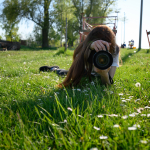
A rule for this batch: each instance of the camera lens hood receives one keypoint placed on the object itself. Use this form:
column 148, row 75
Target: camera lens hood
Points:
column 102, row 59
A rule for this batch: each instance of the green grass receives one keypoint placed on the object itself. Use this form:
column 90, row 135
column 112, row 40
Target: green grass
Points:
column 34, row 114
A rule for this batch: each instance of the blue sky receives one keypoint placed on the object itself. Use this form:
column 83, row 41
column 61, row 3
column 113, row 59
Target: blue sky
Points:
column 131, row 8
column 132, row 13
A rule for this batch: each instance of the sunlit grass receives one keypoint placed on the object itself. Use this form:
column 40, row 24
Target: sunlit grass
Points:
column 34, row 114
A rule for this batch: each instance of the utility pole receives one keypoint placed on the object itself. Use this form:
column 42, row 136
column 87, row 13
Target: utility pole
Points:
column 140, row 35
column 124, row 27
column 117, row 17
column 117, row 21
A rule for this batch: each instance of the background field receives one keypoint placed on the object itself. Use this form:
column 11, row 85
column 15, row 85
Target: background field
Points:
column 34, row 114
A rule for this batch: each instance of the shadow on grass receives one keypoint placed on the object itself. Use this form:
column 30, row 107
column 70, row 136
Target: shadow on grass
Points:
column 64, row 52
column 27, row 48
column 126, row 57
column 55, row 101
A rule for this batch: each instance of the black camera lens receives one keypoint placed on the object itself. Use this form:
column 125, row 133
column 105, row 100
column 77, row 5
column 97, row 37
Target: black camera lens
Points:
column 102, row 60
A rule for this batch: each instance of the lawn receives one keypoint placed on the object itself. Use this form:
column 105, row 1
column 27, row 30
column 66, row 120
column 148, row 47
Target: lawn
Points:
column 35, row 114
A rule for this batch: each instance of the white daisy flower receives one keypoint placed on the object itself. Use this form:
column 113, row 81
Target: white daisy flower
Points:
column 120, row 94
column 132, row 128
column 103, row 137
column 69, row 108
column 143, row 141
column 143, row 115
column 124, row 117
column 111, row 92
column 99, row 116
column 131, row 97
column 55, row 124
column 80, row 116
column 148, row 115
column 128, row 99
column 116, row 126
column 137, row 125
column 95, row 148
column 65, row 121
column 147, row 107
column 132, row 115
column 137, row 99
column 85, row 91
column 113, row 115
column 96, row 128
column 78, row 89
column 138, row 84
column 124, row 101
column 139, row 110
column 92, row 83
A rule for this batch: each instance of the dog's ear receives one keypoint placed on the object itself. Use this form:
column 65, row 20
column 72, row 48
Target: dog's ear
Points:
column 47, row 68
column 44, row 68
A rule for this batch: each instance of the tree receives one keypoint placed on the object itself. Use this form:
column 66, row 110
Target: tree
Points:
column 9, row 24
column 11, row 30
column 64, row 9
column 91, row 8
column 74, row 9
column 37, row 11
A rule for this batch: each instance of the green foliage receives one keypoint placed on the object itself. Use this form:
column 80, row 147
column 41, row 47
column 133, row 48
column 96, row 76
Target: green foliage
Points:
column 51, row 23
column 37, row 33
column 11, row 32
column 36, row 11
column 73, row 11
column 10, row 20
column 11, row 10
column 54, row 37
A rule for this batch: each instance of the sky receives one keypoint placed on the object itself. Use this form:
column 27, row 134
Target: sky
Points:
column 132, row 9
column 128, row 8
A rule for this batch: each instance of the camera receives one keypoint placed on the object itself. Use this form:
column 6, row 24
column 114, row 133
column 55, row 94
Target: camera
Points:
column 102, row 59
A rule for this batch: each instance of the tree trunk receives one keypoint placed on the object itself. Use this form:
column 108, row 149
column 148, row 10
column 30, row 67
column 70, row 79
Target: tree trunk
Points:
column 71, row 43
column 45, row 38
column 45, row 29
